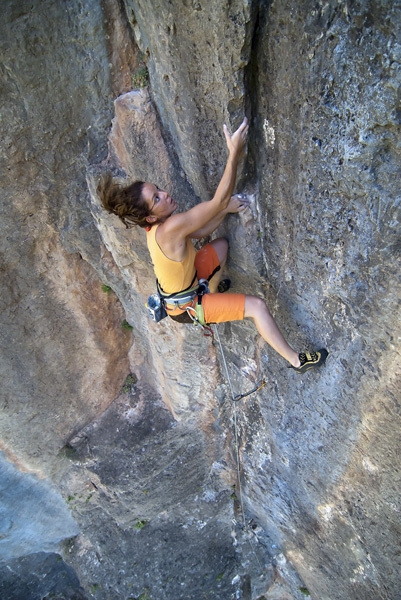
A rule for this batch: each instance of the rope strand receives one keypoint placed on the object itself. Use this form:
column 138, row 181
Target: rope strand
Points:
column 235, row 424
column 235, row 399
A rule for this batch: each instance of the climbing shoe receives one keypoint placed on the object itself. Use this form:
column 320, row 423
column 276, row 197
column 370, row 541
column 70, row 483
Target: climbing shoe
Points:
column 310, row 360
column 224, row 285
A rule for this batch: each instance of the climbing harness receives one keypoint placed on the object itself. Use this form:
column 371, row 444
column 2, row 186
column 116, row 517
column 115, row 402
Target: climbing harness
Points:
column 189, row 300
column 196, row 312
column 158, row 303
column 178, row 299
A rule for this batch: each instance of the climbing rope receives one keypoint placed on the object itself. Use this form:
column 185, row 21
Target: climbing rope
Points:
column 235, row 399
column 237, row 457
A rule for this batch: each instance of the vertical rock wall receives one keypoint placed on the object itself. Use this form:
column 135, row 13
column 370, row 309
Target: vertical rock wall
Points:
column 63, row 351
column 196, row 53
column 321, row 86
column 329, row 125
column 62, row 337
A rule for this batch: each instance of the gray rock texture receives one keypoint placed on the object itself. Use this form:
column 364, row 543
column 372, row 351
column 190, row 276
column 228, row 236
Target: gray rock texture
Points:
column 34, row 516
column 177, row 491
column 40, row 575
column 60, row 332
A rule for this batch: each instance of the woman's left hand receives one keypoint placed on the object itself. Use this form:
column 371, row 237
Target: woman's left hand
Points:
column 237, row 141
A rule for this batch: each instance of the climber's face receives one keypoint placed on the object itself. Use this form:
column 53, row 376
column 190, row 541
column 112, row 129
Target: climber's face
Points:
column 160, row 204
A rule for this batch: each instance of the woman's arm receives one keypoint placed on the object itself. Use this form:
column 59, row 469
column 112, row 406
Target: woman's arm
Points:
column 178, row 227
column 238, row 203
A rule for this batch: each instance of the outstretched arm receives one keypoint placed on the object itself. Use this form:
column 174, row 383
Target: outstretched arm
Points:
column 235, row 145
column 179, row 226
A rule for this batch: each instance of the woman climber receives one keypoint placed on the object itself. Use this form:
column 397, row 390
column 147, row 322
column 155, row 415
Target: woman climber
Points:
column 179, row 267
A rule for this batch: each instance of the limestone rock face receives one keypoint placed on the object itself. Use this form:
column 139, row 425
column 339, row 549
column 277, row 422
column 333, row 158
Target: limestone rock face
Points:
column 197, row 54
column 40, row 517
column 160, row 477
column 61, row 334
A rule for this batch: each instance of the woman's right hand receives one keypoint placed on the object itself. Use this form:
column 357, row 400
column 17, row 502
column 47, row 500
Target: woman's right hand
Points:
column 236, row 142
column 238, row 203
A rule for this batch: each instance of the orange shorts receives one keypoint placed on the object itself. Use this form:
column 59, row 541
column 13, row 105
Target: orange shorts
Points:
column 218, row 308
column 206, row 262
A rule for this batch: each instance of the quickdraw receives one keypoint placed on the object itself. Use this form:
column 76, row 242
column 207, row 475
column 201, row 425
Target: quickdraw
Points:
column 260, row 385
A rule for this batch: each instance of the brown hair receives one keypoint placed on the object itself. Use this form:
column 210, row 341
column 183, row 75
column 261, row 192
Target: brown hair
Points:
column 125, row 202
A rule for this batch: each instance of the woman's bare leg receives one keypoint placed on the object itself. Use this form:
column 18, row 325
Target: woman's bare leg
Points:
column 256, row 309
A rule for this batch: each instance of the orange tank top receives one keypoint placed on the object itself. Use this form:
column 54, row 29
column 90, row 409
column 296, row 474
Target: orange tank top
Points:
column 173, row 276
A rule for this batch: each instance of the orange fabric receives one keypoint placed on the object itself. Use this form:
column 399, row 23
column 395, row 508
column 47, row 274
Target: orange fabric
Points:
column 206, row 262
column 220, row 308
column 173, row 276
column 176, row 276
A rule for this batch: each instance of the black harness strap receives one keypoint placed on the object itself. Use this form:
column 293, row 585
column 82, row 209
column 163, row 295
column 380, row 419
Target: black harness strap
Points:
column 167, row 296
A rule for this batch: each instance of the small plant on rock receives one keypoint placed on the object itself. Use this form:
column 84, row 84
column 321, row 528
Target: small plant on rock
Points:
column 106, row 288
column 140, row 524
column 126, row 326
column 140, row 77
column 129, row 382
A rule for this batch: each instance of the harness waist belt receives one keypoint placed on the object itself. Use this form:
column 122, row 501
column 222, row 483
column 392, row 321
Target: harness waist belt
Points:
column 181, row 300
column 175, row 300
column 185, row 297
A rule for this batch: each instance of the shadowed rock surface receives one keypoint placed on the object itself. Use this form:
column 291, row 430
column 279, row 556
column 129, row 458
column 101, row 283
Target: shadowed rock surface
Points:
column 147, row 466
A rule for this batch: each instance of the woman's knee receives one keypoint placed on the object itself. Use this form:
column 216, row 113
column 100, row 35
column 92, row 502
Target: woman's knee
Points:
column 221, row 247
column 255, row 307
